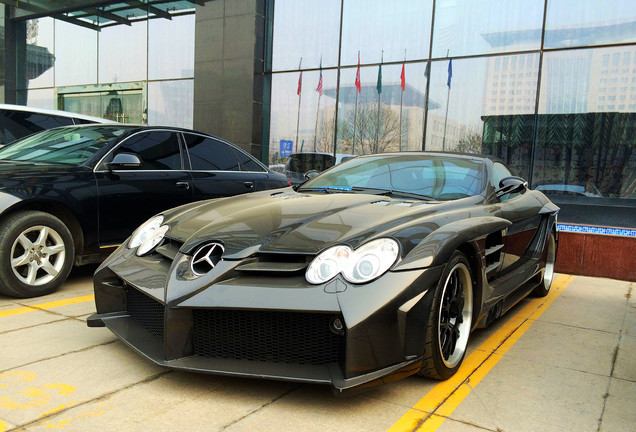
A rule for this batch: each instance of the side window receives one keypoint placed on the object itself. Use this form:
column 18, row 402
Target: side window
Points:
column 208, row 154
column 247, row 162
column 157, row 150
column 18, row 124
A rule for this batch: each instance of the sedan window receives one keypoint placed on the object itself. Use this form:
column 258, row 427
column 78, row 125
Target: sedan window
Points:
column 208, row 154
column 158, row 150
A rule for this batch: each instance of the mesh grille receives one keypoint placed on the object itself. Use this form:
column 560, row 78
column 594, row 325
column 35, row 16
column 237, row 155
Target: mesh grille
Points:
column 273, row 337
column 147, row 311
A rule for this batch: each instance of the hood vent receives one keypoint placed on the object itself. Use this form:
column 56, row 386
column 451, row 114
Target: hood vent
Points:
column 284, row 195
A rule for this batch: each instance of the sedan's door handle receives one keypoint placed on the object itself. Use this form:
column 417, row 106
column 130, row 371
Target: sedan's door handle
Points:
column 183, row 185
column 249, row 184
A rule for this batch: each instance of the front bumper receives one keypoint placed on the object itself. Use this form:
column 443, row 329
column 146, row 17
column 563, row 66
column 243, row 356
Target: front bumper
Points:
column 267, row 326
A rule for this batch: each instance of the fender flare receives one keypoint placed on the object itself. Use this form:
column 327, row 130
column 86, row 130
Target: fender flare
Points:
column 439, row 245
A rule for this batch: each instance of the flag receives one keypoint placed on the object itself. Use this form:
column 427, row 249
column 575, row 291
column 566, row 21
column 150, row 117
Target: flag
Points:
column 379, row 85
column 427, row 71
column 300, row 83
column 450, row 73
column 403, row 78
column 358, row 83
column 319, row 88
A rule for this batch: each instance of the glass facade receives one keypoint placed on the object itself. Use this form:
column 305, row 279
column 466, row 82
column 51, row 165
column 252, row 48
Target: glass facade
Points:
column 549, row 87
column 141, row 73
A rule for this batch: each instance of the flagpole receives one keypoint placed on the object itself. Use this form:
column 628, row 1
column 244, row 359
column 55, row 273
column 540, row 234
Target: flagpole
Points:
column 319, row 90
column 316, row 129
column 299, row 98
column 448, row 83
column 445, row 120
column 403, row 80
column 355, row 114
column 379, row 87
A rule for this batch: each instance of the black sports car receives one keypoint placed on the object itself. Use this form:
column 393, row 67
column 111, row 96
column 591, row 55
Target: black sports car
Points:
column 71, row 195
column 376, row 269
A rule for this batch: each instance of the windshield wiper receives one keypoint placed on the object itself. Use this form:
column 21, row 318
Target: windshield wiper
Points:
column 392, row 193
column 326, row 189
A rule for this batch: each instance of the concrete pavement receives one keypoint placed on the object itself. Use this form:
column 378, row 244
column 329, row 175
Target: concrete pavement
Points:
column 568, row 365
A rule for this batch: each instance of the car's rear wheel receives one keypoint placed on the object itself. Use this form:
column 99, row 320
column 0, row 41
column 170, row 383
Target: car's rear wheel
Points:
column 450, row 320
column 36, row 254
column 546, row 275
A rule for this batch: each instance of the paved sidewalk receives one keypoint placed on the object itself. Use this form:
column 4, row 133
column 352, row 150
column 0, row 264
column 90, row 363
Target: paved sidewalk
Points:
column 573, row 370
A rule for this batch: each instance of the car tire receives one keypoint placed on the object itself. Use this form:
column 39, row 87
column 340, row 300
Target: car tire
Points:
column 546, row 275
column 450, row 320
column 36, row 254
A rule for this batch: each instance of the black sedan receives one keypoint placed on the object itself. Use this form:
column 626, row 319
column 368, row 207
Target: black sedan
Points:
column 376, row 269
column 71, row 195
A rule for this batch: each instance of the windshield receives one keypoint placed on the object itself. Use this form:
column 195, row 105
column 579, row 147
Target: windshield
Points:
column 68, row 145
column 438, row 177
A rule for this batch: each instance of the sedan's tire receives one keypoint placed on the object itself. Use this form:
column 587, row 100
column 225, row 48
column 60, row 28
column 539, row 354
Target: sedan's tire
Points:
column 36, row 254
column 450, row 320
column 546, row 275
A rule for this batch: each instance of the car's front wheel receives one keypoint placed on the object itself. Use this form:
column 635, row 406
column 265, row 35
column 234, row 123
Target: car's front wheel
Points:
column 36, row 254
column 450, row 320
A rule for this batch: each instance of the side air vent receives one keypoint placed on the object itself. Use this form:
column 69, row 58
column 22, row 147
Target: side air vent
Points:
column 494, row 246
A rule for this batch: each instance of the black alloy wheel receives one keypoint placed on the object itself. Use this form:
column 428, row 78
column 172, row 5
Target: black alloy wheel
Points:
column 450, row 321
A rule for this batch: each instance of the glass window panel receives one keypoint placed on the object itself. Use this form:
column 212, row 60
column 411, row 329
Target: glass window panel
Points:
column 170, row 103
column 361, row 113
column 207, row 154
column 585, row 149
column 171, row 48
column 157, row 150
column 467, row 27
column 589, row 22
column 397, row 26
column 75, row 55
column 310, row 125
column 466, row 118
column 40, row 54
column 123, row 53
column 307, row 30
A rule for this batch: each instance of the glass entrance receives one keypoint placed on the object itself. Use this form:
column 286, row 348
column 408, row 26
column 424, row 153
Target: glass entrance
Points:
column 121, row 103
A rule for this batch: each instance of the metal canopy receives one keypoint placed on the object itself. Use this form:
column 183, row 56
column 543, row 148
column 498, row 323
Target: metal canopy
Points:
column 100, row 14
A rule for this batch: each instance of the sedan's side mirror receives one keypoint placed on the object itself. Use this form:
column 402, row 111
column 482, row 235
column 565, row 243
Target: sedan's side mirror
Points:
column 125, row 161
column 510, row 185
column 311, row 174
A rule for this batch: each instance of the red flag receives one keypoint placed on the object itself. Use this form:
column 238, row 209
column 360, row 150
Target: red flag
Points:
column 403, row 77
column 319, row 88
column 358, row 84
column 300, row 83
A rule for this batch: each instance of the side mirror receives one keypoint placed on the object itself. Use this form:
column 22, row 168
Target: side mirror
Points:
column 311, row 174
column 510, row 185
column 125, row 161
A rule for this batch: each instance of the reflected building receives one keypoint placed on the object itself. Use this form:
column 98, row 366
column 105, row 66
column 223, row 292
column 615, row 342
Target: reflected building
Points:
column 549, row 91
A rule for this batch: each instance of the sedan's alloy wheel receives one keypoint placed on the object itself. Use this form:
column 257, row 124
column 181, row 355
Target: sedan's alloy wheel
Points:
column 37, row 255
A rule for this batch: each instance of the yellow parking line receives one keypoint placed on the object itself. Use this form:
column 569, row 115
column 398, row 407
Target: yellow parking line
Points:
column 430, row 412
column 43, row 306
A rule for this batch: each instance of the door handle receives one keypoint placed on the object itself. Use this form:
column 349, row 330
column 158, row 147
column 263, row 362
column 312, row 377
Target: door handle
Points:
column 249, row 184
column 183, row 185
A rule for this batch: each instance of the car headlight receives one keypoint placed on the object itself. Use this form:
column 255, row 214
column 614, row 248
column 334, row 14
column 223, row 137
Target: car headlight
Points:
column 148, row 235
column 362, row 265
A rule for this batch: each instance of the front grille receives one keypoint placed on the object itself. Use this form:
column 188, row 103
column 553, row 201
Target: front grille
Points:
column 273, row 337
column 146, row 311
